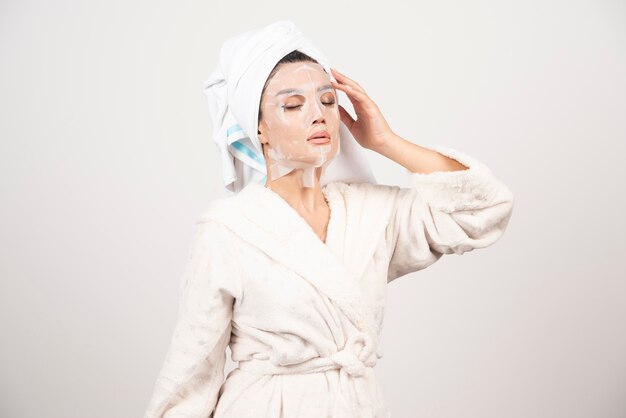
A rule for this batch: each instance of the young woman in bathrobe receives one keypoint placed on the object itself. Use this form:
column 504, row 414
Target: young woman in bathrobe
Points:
column 294, row 278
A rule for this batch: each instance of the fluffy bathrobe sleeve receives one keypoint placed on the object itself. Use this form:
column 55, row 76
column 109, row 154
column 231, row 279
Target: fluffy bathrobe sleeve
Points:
column 445, row 212
column 189, row 381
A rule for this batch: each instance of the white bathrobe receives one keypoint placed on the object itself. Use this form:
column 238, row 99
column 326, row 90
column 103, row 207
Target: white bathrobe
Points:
column 303, row 317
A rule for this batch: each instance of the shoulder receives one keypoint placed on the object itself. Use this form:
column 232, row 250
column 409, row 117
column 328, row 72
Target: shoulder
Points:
column 208, row 223
column 217, row 206
column 364, row 200
column 362, row 192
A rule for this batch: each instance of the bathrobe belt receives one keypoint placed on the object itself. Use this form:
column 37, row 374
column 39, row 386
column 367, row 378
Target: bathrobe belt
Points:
column 352, row 360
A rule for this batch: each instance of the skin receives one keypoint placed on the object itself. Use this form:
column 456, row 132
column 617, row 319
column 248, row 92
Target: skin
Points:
column 283, row 133
column 288, row 118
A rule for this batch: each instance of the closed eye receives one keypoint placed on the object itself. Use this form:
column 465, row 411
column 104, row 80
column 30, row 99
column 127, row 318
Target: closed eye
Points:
column 297, row 106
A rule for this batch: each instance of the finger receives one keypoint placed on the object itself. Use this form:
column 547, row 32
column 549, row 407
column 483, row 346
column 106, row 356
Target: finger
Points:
column 353, row 95
column 343, row 79
column 351, row 87
column 361, row 101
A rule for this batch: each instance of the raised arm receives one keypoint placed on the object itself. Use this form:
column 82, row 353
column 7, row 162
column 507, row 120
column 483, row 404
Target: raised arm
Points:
column 445, row 212
column 454, row 203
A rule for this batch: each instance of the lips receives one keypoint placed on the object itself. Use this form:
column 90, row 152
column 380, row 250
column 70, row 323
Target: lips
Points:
column 320, row 134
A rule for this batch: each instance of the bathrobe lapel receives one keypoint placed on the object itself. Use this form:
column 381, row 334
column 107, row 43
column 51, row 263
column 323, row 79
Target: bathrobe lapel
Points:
column 264, row 219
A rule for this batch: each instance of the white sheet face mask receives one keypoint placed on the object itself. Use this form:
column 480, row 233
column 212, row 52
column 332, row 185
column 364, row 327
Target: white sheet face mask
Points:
column 299, row 101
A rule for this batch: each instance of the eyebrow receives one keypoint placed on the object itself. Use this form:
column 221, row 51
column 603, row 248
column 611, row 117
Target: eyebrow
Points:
column 289, row 91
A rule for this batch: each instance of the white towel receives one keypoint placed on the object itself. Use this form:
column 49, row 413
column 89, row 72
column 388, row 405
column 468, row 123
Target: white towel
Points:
column 233, row 91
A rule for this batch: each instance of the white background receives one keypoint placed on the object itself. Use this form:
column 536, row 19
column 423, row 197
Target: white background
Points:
column 107, row 159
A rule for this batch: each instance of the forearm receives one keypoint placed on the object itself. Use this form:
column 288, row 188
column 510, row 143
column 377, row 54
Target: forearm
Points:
column 415, row 158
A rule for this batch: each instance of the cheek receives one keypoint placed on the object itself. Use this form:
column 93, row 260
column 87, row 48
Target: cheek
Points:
column 334, row 111
column 296, row 130
column 284, row 126
column 333, row 118
column 292, row 120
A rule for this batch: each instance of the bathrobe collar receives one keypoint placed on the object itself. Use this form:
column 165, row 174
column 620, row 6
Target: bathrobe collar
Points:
column 264, row 219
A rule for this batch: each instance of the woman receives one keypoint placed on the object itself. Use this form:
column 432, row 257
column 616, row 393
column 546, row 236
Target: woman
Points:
column 291, row 271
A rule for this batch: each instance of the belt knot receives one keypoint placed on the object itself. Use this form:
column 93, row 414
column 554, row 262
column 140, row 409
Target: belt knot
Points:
column 355, row 360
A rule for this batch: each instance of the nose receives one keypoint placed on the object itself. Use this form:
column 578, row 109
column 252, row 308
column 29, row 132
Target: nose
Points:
column 317, row 113
column 319, row 120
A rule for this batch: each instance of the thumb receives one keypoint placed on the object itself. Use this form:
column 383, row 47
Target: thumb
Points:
column 345, row 117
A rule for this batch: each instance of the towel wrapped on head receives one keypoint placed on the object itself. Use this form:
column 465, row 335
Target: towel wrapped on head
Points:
column 233, row 91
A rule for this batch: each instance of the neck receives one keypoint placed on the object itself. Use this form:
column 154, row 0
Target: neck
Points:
column 291, row 188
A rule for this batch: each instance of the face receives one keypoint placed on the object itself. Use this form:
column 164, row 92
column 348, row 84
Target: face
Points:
column 298, row 102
